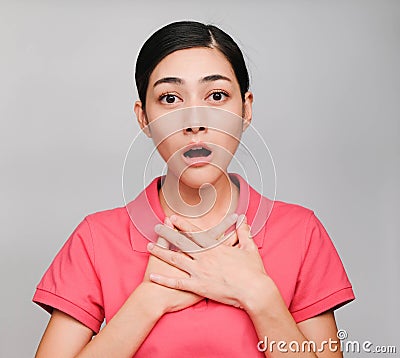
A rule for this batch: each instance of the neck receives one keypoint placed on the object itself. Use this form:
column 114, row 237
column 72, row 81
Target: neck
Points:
column 205, row 206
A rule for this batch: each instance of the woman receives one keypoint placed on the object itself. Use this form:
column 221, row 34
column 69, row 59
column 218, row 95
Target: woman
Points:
column 198, row 292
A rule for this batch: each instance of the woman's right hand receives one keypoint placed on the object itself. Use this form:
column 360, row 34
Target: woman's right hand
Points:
column 171, row 300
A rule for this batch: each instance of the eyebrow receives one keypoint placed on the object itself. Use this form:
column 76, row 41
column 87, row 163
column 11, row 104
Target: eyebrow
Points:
column 179, row 81
column 174, row 80
column 212, row 78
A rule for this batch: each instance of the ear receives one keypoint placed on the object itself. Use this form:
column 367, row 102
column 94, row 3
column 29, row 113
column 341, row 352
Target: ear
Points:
column 247, row 109
column 142, row 118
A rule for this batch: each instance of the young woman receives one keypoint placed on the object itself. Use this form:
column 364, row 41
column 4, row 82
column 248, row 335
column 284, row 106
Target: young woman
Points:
column 160, row 270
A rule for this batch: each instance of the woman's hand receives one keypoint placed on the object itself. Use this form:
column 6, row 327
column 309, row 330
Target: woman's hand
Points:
column 170, row 299
column 228, row 274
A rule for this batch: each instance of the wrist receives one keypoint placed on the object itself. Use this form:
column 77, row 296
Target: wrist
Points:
column 149, row 300
column 263, row 294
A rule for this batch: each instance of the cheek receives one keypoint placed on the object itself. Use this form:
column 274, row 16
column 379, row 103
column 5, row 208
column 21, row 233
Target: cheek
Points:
column 228, row 132
column 163, row 151
column 236, row 107
column 233, row 144
column 168, row 147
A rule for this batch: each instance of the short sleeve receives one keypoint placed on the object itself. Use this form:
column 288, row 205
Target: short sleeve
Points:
column 71, row 284
column 322, row 283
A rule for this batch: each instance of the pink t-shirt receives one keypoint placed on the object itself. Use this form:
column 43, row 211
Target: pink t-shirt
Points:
column 104, row 260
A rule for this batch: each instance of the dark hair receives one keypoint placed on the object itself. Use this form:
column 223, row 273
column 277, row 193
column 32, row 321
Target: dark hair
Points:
column 183, row 35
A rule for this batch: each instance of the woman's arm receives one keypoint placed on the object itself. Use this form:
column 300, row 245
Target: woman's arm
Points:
column 279, row 334
column 65, row 337
column 69, row 343
column 121, row 337
column 323, row 328
column 126, row 331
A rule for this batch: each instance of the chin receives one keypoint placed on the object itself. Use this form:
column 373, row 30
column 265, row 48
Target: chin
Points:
column 195, row 177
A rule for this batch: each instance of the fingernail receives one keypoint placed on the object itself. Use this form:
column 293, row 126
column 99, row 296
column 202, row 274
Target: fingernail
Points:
column 234, row 216
column 167, row 221
column 240, row 219
column 157, row 228
column 150, row 246
column 154, row 277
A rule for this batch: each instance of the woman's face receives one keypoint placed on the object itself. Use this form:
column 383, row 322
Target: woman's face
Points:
column 193, row 101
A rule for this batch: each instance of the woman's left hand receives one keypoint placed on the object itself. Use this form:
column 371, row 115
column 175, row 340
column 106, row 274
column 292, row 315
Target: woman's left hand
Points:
column 228, row 274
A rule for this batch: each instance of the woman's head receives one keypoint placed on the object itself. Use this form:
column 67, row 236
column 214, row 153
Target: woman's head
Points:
column 184, row 35
column 185, row 66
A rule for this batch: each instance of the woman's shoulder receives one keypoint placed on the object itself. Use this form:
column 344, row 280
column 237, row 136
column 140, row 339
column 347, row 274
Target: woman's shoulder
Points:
column 264, row 210
column 114, row 219
column 291, row 208
column 296, row 223
column 286, row 211
column 108, row 214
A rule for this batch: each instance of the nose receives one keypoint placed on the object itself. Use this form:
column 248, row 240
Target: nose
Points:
column 194, row 129
column 195, row 120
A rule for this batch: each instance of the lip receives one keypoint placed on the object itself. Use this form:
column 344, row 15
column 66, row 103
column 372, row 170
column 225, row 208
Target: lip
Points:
column 197, row 161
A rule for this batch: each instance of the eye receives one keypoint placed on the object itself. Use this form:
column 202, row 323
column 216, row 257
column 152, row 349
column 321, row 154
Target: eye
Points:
column 218, row 96
column 168, row 98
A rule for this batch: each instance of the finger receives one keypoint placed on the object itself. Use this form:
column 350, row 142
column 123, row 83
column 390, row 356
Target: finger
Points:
column 231, row 239
column 161, row 241
column 191, row 231
column 218, row 230
column 183, row 224
column 176, row 238
column 167, row 221
column 243, row 232
column 177, row 259
column 184, row 284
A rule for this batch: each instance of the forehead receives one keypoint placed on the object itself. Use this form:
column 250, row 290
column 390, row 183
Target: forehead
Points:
column 193, row 63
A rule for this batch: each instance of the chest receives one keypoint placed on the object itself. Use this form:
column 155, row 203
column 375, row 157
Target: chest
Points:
column 206, row 329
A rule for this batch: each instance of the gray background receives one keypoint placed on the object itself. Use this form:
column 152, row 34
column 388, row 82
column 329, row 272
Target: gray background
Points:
column 325, row 75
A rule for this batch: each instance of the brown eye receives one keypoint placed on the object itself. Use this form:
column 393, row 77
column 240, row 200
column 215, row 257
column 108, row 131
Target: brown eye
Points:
column 217, row 96
column 169, row 98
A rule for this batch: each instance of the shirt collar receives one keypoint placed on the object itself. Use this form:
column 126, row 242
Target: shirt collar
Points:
column 145, row 212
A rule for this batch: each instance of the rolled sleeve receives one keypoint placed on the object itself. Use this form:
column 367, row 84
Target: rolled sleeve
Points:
column 322, row 283
column 71, row 284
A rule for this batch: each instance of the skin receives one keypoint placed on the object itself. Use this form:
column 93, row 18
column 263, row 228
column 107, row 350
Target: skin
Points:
column 232, row 273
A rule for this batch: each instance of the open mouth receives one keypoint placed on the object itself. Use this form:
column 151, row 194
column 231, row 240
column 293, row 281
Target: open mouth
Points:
column 197, row 152
column 197, row 155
